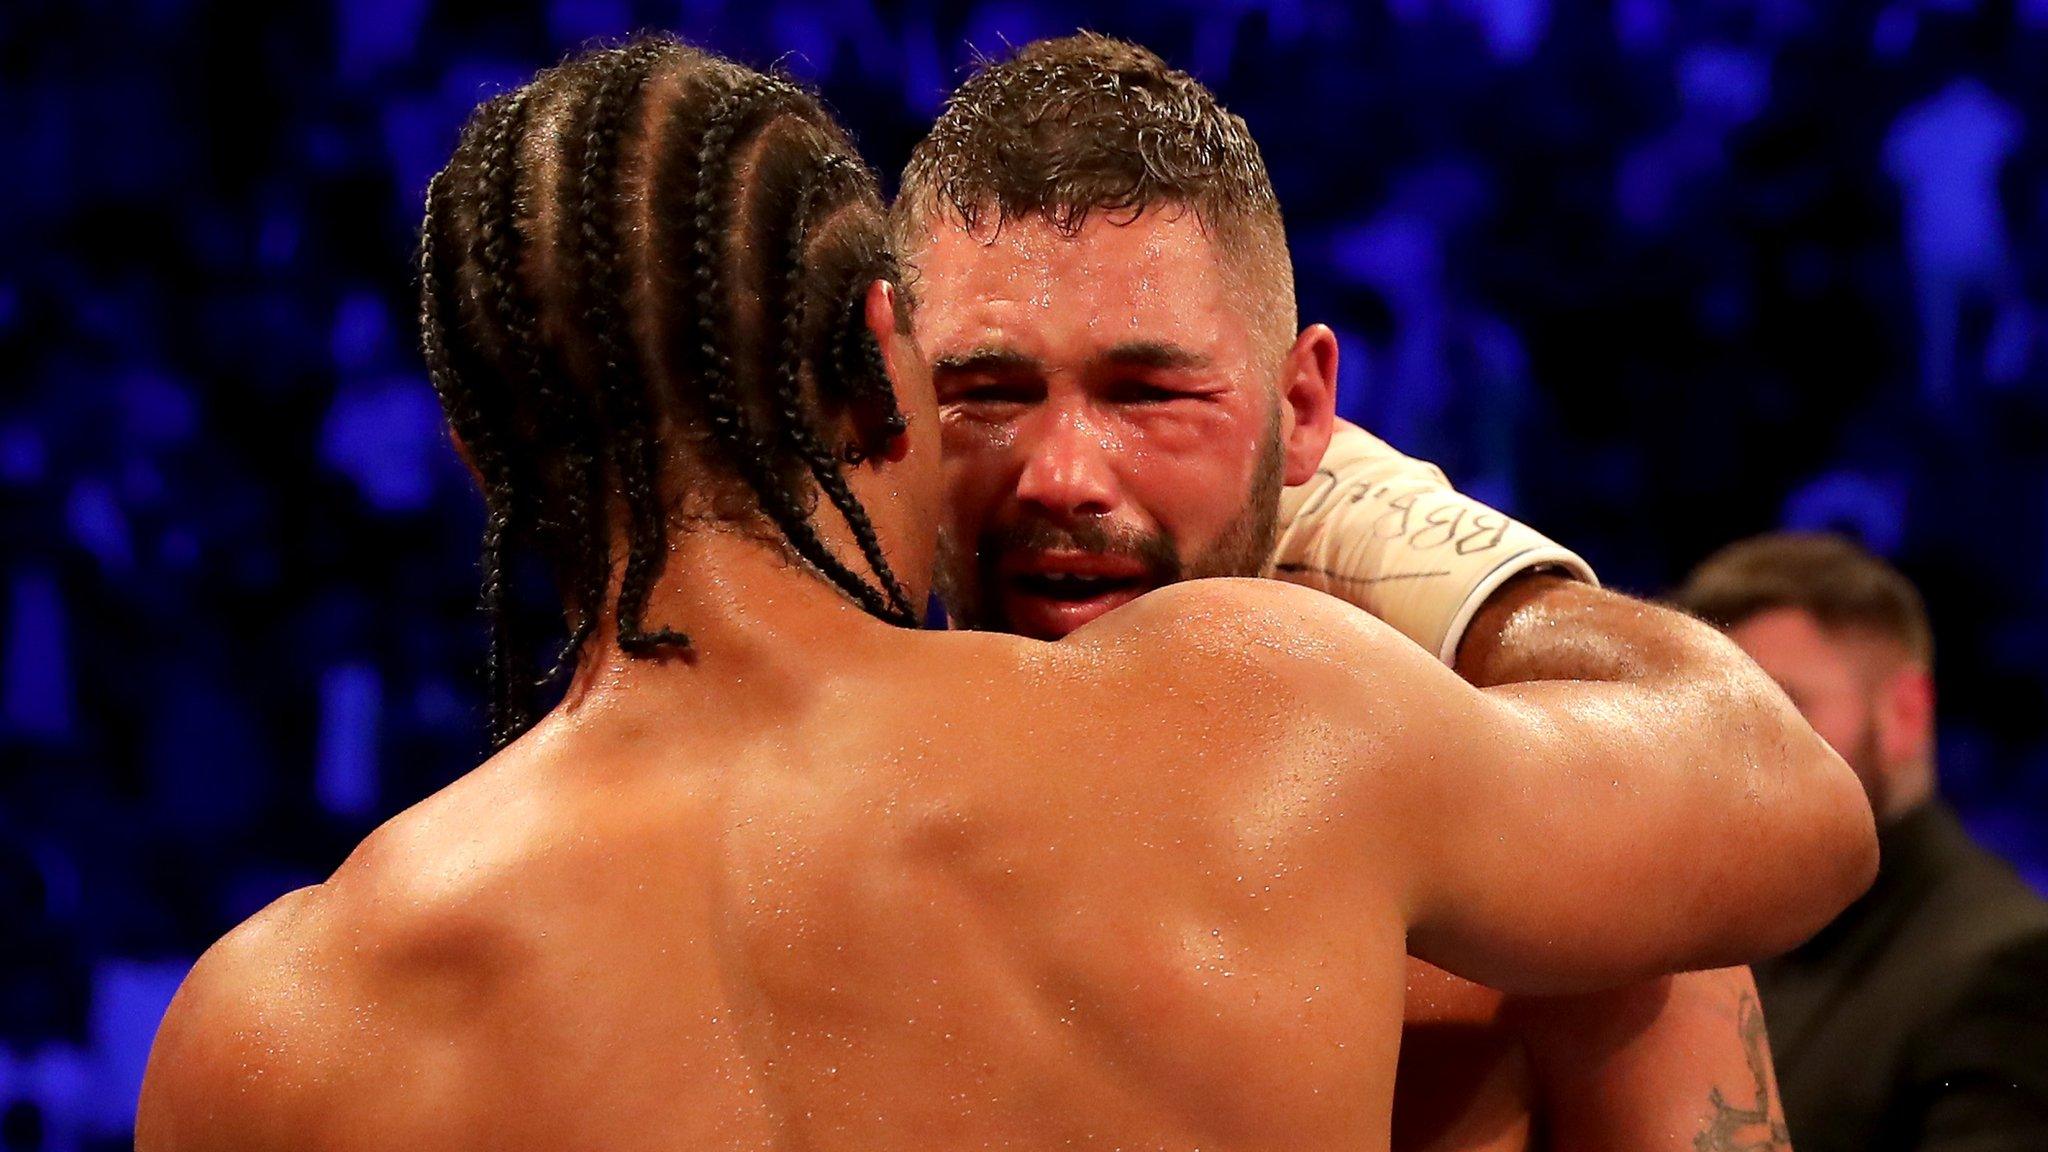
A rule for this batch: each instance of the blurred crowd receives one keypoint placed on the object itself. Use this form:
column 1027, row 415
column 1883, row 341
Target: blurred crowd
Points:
column 1653, row 275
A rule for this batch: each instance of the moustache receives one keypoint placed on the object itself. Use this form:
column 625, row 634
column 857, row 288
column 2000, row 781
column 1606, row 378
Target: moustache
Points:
column 1153, row 551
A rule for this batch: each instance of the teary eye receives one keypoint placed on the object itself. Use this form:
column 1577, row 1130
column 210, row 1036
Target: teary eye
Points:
column 1145, row 392
column 990, row 392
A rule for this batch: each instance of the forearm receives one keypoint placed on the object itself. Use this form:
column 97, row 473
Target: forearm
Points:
column 1544, row 627
column 1681, row 1064
column 1653, row 739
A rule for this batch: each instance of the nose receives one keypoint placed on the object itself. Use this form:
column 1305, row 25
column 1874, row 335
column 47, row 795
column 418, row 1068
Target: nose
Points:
column 1067, row 467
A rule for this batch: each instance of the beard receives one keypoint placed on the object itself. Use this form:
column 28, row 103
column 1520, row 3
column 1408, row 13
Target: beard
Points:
column 969, row 579
column 1867, row 760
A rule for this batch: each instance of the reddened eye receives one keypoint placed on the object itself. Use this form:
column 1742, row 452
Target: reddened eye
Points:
column 988, row 400
column 989, row 394
column 1145, row 392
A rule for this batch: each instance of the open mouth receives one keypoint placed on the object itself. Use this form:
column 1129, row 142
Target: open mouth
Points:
column 1048, row 596
column 1072, row 586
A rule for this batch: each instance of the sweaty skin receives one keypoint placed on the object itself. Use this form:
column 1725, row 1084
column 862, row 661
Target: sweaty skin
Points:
column 1679, row 1063
column 828, row 883
column 1050, row 420
column 837, row 885
column 1650, row 1066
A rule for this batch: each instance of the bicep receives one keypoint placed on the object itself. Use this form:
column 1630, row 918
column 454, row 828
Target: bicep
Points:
column 1531, row 834
column 1595, row 834
column 1546, row 851
column 1540, row 837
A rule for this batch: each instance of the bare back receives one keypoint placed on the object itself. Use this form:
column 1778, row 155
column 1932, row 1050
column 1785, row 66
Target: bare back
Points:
column 844, row 886
column 948, row 891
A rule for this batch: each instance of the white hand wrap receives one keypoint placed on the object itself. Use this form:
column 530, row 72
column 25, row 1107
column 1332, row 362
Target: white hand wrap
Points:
column 1388, row 533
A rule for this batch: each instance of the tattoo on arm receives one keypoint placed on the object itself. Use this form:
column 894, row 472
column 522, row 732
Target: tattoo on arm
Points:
column 1761, row 1128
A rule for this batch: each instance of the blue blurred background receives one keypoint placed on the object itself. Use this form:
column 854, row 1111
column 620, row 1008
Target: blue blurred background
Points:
column 1655, row 275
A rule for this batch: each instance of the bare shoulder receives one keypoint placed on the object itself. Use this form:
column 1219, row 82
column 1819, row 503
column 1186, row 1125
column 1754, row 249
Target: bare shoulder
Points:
column 1266, row 635
column 325, row 999
column 211, row 1067
column 1239, row 614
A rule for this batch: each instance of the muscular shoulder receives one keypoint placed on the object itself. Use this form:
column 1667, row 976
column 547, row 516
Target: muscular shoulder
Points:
column 334, row 995
column 217, row 1077
column 1241, row 620
column 1253, row 678
column 1265, row 636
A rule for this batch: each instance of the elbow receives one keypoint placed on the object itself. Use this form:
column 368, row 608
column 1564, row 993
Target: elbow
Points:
column 1855, row 849
column 1835, row 859
column 1848, row 849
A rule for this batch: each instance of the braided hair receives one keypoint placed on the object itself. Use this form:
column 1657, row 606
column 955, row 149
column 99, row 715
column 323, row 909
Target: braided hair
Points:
column 649, row 245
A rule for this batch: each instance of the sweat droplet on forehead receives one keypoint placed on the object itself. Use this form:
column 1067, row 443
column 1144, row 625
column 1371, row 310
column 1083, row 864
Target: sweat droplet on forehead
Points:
column 1063, row 298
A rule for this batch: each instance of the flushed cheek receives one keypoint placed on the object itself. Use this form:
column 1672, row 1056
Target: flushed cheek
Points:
column 1194, row 505
column 973, row 486
column 1207, row 444
column 1193, row 487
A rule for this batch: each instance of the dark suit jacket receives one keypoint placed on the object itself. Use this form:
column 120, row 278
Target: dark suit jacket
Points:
column 1918, row 1020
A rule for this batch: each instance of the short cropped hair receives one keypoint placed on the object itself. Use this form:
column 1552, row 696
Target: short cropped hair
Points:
column 1837, row 581
column 1084, row 125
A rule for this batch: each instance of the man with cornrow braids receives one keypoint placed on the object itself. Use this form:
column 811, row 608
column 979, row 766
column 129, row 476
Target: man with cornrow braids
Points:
column 781, row 870
column 1108, row 302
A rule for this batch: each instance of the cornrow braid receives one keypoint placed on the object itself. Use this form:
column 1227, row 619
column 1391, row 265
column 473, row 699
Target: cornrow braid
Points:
column 624, row 383
column 830, row 175
column 496, row 249
column 747, row 105
column 450, row 368
column 584, row 358
column 587, row 572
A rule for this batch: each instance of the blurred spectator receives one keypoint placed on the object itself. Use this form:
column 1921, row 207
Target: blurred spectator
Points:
column 1918, row 1020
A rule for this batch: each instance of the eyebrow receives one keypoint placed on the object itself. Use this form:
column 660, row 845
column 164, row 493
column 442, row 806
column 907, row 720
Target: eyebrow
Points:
column 987, row 359
column 1157, row 355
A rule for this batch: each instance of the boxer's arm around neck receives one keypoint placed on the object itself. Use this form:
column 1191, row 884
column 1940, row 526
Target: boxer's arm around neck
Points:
column 1659, row 733
column 1545, row 627
column 1488, row 656
column 1667, row 811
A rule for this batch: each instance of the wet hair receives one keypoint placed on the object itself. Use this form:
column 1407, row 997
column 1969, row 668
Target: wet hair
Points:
column 643, row 279
column 1837, row 581
column 1083, row 125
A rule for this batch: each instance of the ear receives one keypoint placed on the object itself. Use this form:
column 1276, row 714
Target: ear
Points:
column 1905, row 703
column 900, row 360
column 1308, row 400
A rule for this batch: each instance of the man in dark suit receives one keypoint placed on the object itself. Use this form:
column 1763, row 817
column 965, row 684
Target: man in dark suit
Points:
column 1918, row 1020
